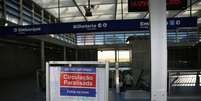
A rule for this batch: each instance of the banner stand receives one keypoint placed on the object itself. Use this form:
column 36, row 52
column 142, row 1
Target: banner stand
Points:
column 66, row 82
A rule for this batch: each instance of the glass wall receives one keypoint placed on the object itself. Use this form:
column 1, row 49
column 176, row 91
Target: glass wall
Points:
column 109, row 38
column 123, row 57
column 128, row 76
column 106, row 38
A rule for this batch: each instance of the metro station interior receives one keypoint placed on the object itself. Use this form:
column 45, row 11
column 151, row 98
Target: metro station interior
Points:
column 23, row 57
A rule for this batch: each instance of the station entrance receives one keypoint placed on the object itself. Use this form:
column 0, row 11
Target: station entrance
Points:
column 129, row 52
column 126, row 65
column 151, row 58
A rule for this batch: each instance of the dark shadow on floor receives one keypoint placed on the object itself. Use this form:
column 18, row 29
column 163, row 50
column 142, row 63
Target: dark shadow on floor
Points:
column 21, row 89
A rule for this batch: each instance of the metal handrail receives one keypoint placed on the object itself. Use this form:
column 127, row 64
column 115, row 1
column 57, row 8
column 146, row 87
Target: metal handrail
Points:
column 195, row 70
column 178, row 72
column 120, row 38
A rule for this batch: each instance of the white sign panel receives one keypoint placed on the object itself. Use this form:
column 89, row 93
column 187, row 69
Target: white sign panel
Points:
column 77, row 84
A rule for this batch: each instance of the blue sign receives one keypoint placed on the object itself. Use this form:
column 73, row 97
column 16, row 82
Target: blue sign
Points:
column 86, row 92
column 78, row 69
column 95, row 26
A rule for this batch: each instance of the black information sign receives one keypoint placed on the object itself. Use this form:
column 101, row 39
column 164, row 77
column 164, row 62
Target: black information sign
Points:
column 142, row 5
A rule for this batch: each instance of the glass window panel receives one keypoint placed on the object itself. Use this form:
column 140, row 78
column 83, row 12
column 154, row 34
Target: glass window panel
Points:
column 12, row 4
column 124, row 56
column 119, row 38
column 12, row 11
column 106, row 56
column 89, row 39
column 99, row 39
column 109, row 38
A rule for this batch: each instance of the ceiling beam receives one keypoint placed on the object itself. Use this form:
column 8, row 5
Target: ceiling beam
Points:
column 122, row 10
column 80, row 10
column 145, row 15
column 80, row 16
column 186, row 8
column 59, row 11
column 115, row 12
column 81, row 5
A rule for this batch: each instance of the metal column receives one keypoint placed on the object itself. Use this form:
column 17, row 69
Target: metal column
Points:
column 59, row 11
column 33, row 12
column 117, row 73
column 4, row 10
column 50, row 19
column 21, row 12
column 42, row 15
column 43, row 55
column 76, row 54
column 199, row 56
column 158, row 28
column 64, row 53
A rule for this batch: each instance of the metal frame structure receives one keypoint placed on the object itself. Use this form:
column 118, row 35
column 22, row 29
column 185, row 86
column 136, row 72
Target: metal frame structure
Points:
column 70, row 63
column 198, row 71
column 119, row 8
column 174, row 37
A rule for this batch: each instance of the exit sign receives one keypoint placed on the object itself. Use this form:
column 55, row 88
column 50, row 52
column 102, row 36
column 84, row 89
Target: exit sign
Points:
column 143, row 5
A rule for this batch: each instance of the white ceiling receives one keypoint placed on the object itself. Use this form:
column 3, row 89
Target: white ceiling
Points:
column 104, row 10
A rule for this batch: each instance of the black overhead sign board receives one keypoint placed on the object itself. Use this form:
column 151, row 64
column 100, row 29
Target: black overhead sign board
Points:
column 142, row 5
column 95, row 26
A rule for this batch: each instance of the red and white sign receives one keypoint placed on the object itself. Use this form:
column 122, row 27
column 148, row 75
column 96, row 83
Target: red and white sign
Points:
column 78, row 79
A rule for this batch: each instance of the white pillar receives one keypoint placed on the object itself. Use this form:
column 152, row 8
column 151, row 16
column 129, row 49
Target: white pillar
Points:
column 158, row 28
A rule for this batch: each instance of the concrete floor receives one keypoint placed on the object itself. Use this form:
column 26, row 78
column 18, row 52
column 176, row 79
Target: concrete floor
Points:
column 20, row 89
column 25, row 89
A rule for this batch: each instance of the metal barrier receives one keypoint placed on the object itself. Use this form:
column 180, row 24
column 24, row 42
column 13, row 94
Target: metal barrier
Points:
column 183, row 78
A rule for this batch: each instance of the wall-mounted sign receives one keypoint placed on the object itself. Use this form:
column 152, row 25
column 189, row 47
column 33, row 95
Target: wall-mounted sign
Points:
column 143, row 5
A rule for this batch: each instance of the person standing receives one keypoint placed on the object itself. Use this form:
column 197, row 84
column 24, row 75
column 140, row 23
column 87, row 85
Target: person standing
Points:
column 128, row 80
